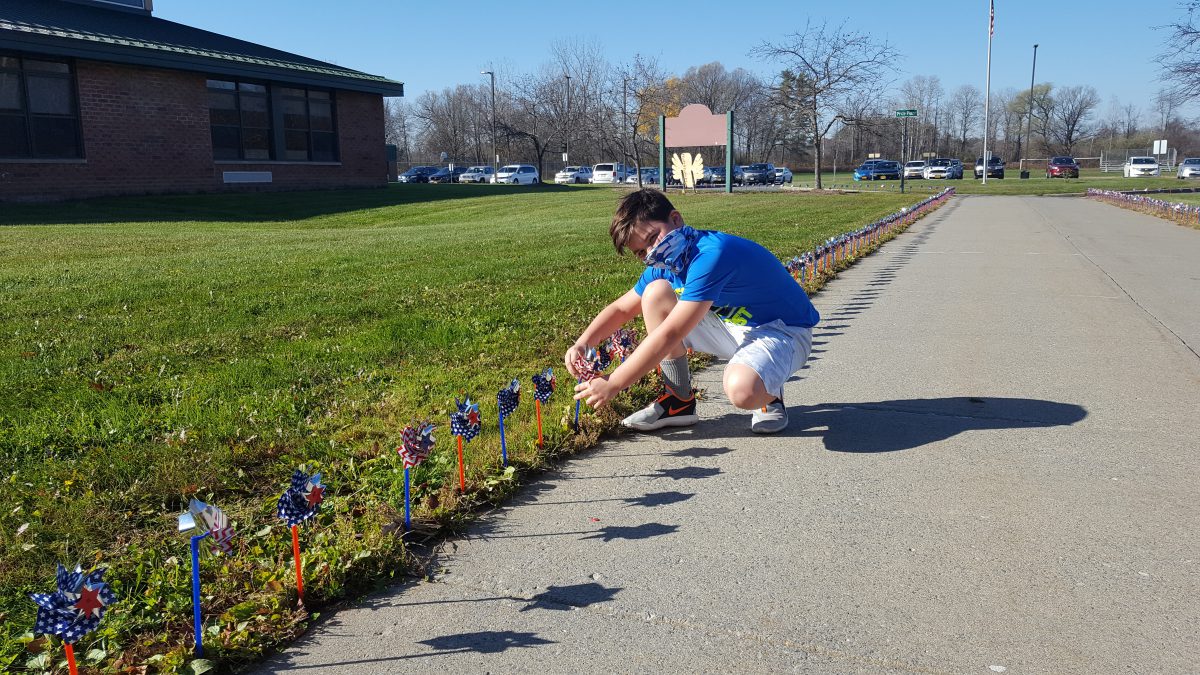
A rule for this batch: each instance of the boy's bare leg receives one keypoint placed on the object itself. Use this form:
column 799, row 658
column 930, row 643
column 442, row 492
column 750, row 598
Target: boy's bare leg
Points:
column 658, row 299
column 745, row 388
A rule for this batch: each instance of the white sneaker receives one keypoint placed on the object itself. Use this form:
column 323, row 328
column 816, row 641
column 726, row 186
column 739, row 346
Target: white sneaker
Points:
column 769, row 419
column 667, row 411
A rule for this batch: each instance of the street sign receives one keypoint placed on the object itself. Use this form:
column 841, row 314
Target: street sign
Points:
column 908, row 112
column 565, row 157
column 873, row 155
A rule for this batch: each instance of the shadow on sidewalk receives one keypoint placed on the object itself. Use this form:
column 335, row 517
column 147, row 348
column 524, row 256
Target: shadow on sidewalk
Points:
column 888, row 426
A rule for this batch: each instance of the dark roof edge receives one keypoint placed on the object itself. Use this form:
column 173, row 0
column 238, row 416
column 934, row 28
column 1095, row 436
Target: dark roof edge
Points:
column 52, row 46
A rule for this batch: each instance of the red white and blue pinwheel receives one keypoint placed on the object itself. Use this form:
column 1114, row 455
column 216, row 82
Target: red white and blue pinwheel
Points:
column 201, row 518
column 416, row 442
column 623, row 342
column 592, row 365
column 76, row 607
column 509, row 397
column 302, row 500
column 543, row 385
column 465, row 422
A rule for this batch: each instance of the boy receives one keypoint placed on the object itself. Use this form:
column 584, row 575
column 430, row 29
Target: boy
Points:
column 712, row 292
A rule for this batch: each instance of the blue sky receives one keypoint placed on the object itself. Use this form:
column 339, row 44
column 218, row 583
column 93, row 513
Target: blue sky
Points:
column 1109, row 44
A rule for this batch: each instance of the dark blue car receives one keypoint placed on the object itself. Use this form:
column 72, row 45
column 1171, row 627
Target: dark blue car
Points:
column 878, row 169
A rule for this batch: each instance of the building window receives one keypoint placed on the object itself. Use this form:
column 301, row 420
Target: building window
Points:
column 260, row 122
column 39, row 116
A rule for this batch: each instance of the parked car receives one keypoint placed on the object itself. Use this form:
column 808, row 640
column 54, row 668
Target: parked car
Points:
column 713, row 174
column 759, row 174
column 881, row 169
column 1189, row 168
column 914, row 169
column 477, row 174
column 517, row 174
column 1062, row 167
column 417, row 174
column 783, row 175
column 1140, row 166
column 995, row 167
column 574, row 174
column 944, row 167
column 609, row 172
column 649, row 175
column 446, row 175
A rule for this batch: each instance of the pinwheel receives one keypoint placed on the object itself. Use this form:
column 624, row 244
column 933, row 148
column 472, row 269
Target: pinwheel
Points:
column 589, row 367
column 74, row 609
column 199, row 521
column 623, row 342
column 465, row 425
column 297, row 504
column 543, row 387
column 507, row 400
column 416, row 442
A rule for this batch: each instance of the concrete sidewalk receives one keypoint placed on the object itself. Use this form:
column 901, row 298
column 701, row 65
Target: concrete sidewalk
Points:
column 991, row 466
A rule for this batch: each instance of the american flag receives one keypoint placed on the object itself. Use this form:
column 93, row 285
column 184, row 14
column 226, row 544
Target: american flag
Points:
column 302, row 500
column 76, row 607
column 466, row 421
column 509, row 397
column 416, row 443
column 543, row 385
column 992, row 18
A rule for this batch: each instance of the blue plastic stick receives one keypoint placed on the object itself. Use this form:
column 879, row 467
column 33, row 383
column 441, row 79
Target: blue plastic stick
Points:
column 503, row 446
column 577, row 409
column 407, row 504
column 196, row 593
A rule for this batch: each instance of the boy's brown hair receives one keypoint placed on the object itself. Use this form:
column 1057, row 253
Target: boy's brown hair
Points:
column 641, row 206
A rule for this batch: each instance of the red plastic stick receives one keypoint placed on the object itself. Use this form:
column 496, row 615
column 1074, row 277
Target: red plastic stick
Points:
column 538, row 405
column 299, row 566
column 71, row 659
column 462, row 473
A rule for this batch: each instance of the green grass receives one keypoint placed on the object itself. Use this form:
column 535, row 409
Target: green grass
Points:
column 153, row 349
column 1037, row 184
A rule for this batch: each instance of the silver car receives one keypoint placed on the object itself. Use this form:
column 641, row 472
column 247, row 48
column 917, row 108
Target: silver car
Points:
column 914, row 169
column 1189, row 168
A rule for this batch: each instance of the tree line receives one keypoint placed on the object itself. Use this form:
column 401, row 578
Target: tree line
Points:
column 831, row 104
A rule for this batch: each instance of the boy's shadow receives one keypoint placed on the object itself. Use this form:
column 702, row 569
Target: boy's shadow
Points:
column 887, row 426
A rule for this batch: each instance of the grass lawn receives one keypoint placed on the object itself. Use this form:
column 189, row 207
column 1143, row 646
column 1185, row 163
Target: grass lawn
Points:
column 1037, row 184
column 153, row 349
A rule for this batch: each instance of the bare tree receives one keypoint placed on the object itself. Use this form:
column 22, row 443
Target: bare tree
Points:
column 964, row 107
column 1181, row 60
column 1130, row 117
column 1166, row 102
column 397, row 127
column 832, row 63
column 535, row 111
column 1072, row 108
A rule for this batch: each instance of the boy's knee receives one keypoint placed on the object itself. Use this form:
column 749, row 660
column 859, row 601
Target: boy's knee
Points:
column 659, row 296
column 744, row 390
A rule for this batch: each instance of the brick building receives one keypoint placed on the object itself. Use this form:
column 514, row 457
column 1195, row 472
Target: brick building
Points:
column 98, row 97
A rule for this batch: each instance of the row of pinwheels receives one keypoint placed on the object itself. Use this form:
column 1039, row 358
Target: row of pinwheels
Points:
column 1184, row 214
column 826, row 256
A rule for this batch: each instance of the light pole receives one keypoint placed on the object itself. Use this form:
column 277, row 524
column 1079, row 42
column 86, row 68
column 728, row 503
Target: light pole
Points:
column 567, row 131
column 495, row 157
column 624, row 120
column 1029, row 127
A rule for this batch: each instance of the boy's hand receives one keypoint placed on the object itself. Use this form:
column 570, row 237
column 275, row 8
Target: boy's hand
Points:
column 575, row 354
column 597, row 391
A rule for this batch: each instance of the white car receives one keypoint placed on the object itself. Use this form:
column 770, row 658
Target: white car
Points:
column 1189, row 168
column 915, row 169
column 477, row 174
column 574, row 174
column 1140, row 166
column 517, row 174
column 612, row 172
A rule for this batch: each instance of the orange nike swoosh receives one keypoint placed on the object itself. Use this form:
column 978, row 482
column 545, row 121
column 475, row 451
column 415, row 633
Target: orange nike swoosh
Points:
column 672, row 411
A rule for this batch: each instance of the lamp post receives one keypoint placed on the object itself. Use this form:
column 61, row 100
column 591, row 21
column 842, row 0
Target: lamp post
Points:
column 567, row 131
column 1029, row 127
column 495, row 157
column 624, row 121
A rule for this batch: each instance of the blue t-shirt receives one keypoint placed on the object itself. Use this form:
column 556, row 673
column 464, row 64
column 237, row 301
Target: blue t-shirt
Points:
column 746, row 283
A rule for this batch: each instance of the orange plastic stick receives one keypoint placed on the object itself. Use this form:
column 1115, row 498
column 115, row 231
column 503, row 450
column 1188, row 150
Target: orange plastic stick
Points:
column 71, row 659
column 462, row 473
column 538, row 405
column 299, row 566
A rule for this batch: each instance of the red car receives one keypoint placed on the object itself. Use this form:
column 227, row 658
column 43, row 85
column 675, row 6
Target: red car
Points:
column 1062, row 167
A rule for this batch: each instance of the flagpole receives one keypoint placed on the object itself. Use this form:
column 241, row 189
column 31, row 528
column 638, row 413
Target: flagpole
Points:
column 987, row 89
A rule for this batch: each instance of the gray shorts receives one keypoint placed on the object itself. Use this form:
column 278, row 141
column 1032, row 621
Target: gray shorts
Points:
column 774, row 350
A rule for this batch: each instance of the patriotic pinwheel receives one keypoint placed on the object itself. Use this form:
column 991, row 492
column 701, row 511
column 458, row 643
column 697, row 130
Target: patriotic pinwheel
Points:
column 592, row 365
column 623, row 342
column 302, row 499
column 76, row 607
column 416, row 443
column 509, row 397
column 465, row 423
column 544, row 384
column 202, row 518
